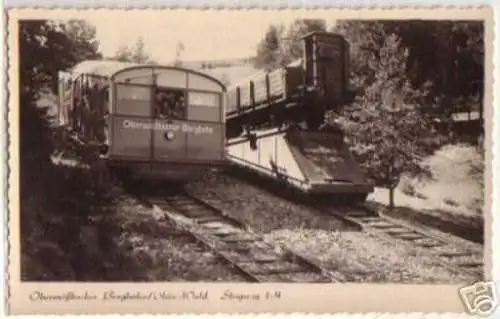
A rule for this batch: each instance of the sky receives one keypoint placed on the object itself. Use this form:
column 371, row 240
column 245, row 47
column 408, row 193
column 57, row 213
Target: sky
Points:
column 206, row 35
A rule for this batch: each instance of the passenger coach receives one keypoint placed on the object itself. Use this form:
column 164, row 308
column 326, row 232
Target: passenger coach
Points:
column 158, row 121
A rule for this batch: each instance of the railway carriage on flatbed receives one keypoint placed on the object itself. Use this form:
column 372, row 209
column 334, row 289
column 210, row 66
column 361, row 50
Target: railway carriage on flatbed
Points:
column 157, row 121
column 276, row 122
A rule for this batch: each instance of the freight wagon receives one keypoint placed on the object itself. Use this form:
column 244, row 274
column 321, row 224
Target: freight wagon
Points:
column 276, row 122
column 302, row 90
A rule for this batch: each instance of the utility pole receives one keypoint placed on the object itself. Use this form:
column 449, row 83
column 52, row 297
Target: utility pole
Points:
column 178, row 52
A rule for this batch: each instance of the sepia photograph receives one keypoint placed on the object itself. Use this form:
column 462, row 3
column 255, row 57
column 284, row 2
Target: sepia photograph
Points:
column 213, row 148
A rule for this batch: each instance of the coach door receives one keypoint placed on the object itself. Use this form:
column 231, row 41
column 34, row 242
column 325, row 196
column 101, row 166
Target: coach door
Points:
column 169, row 108
column 205, row 132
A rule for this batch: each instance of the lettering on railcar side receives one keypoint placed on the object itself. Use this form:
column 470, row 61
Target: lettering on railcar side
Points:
column 196, row 129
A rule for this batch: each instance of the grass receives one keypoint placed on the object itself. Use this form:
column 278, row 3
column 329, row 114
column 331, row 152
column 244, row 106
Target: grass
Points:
column 66, row 228
column 73, row 230
column 451, row 200
column 161, row 254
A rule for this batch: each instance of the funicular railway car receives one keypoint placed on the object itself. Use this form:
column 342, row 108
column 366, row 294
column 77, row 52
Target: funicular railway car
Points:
column 146, row 120
column 276, row 122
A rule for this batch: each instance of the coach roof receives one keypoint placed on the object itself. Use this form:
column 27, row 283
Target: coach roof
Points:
column 108, row 68
column 104, row 68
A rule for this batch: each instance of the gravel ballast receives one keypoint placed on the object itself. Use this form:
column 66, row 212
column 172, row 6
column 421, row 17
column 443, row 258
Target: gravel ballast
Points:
column 364, row 258
column 359, row 256
column 261, row 211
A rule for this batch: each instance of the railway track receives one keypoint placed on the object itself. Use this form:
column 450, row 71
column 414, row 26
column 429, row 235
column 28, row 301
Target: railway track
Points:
column 389, row 229
column 464, row 260
column 245, row 251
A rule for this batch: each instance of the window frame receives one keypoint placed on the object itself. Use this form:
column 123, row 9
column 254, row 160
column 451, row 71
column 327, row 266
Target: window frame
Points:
column 153, row 87
column 186, row 102
column 214, row 94
column 114, row 103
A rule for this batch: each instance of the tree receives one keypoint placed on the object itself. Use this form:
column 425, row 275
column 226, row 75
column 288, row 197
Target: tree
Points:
column 294, row 48
column 135, row 54
column 281, row 46
column 365, row 40
column 71, row 41
column 455, row 66
column 270, row 51
column 82, row 37
column 46, row 47
column 389, row 130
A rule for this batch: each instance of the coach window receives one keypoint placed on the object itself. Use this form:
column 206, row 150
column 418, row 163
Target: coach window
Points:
column 133, row 100
column 77, row 104
column 170, row 104
column 204, row 106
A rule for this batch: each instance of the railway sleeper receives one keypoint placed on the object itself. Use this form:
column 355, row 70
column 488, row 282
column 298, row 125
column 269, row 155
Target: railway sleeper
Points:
column 195, row 213
column 158, row 202
column 410, row 236
column 272, row 278
column 236, row 246
column 204, row 220
column 240, row 237
column 386, row 226
column 294, row 278
column 452, row 254
column 223, row 232
column 367, row 219
column 215, row 224
column 258, row 255
column 279, row 267
column 239, row 249
column 360, row 215
column 194, row 207
column 429, row 244
column 179, row 199
column 311, row 278
column 396, row 232
column 470, row 264
column 353, row 210
column 185, row 202
column 239, row 257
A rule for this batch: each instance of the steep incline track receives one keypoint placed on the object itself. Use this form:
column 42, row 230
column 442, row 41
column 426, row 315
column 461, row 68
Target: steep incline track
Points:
column 256, row 259
column 387, row 228
column 453, row 256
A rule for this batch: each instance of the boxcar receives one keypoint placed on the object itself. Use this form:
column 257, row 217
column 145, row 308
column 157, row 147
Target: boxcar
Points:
column 158, row 121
